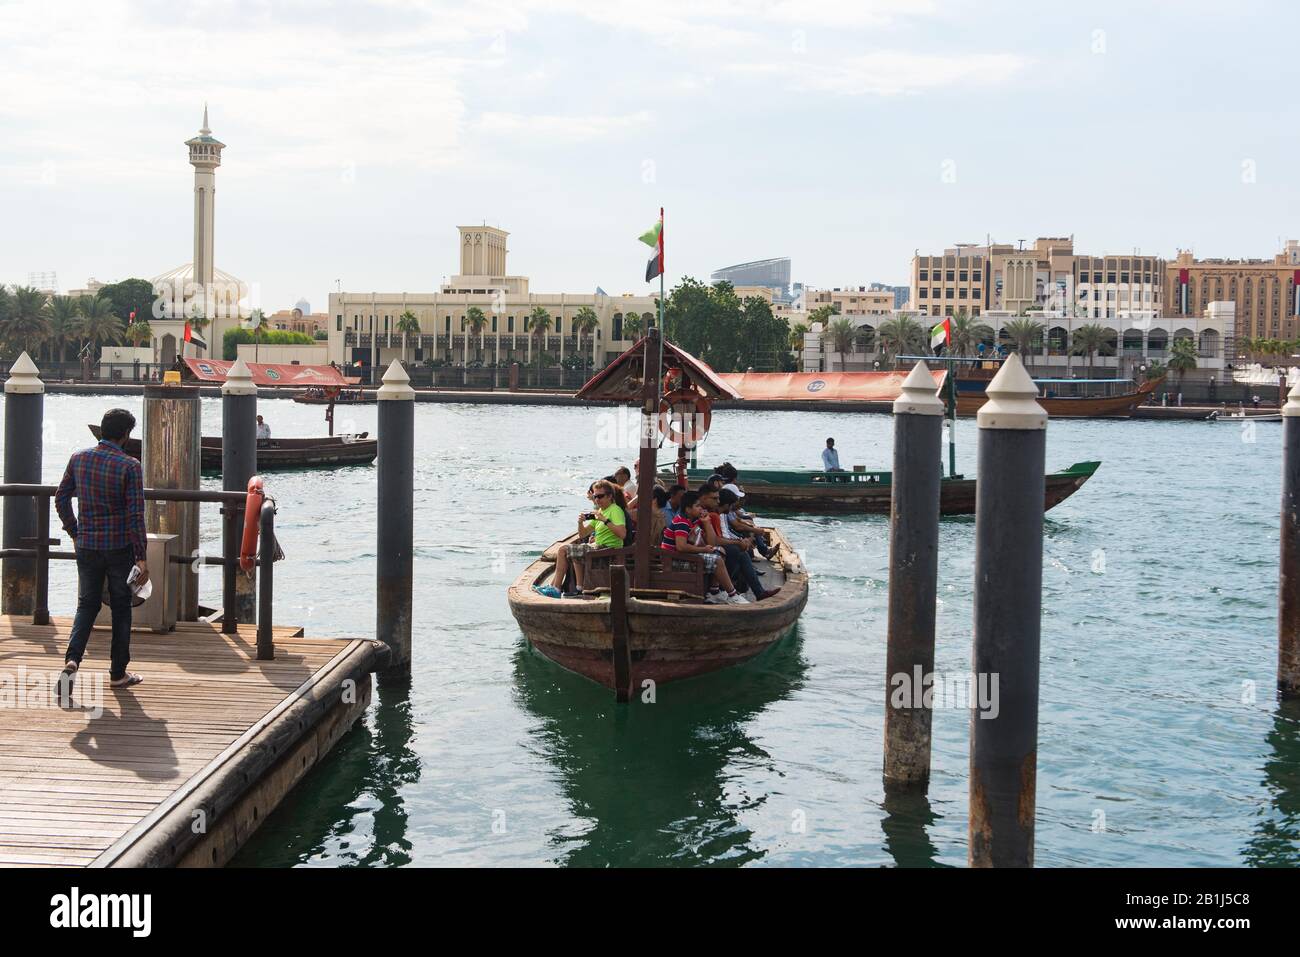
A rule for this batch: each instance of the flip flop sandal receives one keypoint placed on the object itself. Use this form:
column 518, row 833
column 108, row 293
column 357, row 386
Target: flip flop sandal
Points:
column 127, row 681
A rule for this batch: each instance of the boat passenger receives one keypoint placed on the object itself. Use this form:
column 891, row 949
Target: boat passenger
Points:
column 673, row 507
column 739, row 563
column 830, row 458
column 263, row 430
column 624, row 478
column 607, row 526
column 739, row 521
column 687, row 534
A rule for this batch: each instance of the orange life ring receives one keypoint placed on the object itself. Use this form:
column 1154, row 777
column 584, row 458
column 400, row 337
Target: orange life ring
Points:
column 252, row 524
column 671, row 417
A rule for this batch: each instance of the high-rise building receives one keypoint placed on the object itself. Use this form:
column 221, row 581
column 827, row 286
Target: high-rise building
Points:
column 773, row 274
column 1266, row 291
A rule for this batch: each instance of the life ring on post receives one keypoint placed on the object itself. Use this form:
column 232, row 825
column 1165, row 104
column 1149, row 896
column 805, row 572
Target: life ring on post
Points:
column 252, row 524
column 685, row 417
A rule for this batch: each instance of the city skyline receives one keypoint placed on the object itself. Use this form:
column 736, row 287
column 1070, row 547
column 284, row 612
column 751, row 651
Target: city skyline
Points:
column 846, row 137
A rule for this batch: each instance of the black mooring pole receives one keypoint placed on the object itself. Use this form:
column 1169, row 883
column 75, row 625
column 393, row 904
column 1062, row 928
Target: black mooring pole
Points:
column 396, row 481
column 238, row 465
column 24, row 435
column 1009, row 501
column 1288, row 605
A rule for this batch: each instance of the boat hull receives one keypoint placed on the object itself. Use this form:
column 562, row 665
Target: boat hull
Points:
column 283, row 454
column 1065, row 407
column 669, row 640
column 858, row 493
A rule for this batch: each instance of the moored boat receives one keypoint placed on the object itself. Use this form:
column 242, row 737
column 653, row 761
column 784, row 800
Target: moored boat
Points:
column 1066, row 398
column 869, row 492
column 282, row 454
column 332, row 396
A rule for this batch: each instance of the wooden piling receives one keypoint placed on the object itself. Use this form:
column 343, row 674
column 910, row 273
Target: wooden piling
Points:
column 171, row 459
column 396, row 516
column 913, row 577
column 238, row 465
column 1008, row 609
column 1288, row 608
column 24, row 426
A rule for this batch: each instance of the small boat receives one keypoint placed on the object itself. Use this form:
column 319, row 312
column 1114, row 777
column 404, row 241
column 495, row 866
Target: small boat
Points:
column 331, row 396
column 1060, row 398
column 1222, row 415
column 642, row 614
column 869, row 492
column 670, row 633
column 282, row 454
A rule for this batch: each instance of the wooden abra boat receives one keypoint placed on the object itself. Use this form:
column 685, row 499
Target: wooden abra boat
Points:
column 669, row 633
column 1060, row 398
column 869, row 492
column 281, row 454
column 642, row 614
column 332, row 396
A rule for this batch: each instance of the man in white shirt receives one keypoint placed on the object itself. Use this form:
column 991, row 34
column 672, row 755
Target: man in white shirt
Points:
column 263, row 430
column 830, row 458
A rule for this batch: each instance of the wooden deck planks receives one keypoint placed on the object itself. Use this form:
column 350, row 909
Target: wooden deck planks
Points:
column 74, row 781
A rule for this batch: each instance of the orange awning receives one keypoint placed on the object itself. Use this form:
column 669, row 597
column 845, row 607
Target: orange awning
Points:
column 269, row 374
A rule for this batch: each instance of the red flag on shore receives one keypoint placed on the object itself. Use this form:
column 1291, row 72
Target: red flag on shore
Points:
column 189, row 333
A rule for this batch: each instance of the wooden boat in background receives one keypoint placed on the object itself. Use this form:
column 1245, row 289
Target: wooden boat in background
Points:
column 331, row 396
column 1060, row 398
column 869, row 492
column 282, row 454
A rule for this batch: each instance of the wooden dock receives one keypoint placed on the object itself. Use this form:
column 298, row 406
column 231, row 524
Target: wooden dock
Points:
column 179, row 770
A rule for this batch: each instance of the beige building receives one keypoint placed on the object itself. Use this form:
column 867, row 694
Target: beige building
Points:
column 299, row 319
column 1048, row 275
column 363, row 326
column 1264, row 291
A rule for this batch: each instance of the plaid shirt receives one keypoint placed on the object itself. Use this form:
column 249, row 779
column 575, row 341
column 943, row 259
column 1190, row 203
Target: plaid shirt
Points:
column 109, row 487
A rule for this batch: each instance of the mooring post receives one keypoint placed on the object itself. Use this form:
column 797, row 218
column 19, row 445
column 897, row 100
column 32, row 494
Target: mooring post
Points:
column 24, row 435
column 1288, row 604
column 913, row 576
column 171, row 459
column 396, row 479
column 238, row 465
column 266, row 551
column 1009, row 498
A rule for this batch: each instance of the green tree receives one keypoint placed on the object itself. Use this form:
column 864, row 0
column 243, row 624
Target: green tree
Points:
column 585, row 324
column 408, row 325
column 967, row 333
column 27, row 325
column 1182, row 358
column 839, row 336
column 1090, row 340
column 632, row 326
column 1026, row 335
column 764, row 339
column 900, row 334
column 797, row 332
column 824, row 314
column 130, row 295
column 476, row 321
column 99, row 324
column 234, row 338
column 537, row 324
column 139, row 333
column 65, row 325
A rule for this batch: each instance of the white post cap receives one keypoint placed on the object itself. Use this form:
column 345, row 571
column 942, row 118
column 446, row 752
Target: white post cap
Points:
column 919, row 395
column 24, row 377
column 1292, row 406
column 1013, row 400
column 239, row 380
column 397, row 384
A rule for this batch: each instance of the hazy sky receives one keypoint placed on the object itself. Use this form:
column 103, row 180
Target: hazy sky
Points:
column 842, row 134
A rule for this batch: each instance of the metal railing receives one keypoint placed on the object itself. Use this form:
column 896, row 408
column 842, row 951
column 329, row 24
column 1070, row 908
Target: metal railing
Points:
column 232, row 513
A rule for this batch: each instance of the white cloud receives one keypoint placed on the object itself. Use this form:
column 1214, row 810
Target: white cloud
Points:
column 564, row 128
column 889, row 73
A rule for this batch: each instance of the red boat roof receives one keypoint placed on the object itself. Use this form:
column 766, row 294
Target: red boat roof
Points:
column 269, row 374
column 622, row 379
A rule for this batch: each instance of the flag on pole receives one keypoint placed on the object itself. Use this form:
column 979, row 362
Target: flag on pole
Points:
column 654, row 238
column 189, row 333
column 941, row 334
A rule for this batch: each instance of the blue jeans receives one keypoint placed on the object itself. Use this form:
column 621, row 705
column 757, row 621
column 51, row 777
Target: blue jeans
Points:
column 741, row 569
column 93, row 567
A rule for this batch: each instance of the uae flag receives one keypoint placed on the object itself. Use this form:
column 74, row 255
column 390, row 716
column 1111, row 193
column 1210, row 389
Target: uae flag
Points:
column 654, row 238
column 941, row 334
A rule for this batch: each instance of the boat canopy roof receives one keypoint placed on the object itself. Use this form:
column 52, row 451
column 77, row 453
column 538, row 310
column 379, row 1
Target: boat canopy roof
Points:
column 622, row 380
column 822, row 386
column 268, row 374
column 1083, row 381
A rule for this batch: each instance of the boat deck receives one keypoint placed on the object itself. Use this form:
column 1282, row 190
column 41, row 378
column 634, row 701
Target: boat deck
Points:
column 178, row 770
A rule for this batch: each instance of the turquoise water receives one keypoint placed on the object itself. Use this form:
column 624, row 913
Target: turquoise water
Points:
column 1160, row 742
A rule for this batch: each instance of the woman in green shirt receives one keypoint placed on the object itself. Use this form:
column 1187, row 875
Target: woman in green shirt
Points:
column 607, row 526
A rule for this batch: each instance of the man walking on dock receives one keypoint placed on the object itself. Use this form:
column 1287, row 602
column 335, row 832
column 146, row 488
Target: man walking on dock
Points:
column 108, row 531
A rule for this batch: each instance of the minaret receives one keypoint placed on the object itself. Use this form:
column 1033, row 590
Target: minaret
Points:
column 205, row 157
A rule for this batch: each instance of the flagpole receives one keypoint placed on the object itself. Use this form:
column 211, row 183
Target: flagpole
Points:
column 662, row 267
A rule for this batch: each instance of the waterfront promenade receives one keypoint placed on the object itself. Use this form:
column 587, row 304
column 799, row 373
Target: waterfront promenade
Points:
column 178, row 771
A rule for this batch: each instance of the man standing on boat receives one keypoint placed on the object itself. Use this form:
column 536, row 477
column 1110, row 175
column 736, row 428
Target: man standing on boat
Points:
column 108, row 532
column 830, row 458
column 263, row 430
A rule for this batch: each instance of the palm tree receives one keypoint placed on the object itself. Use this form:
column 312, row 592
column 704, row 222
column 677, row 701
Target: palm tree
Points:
column 139, row 332
column 27, row 325
column 797, row 332
column 839, row 336
column 864, row 339
column 1182, row 358
column 98, row 323
column 1025, row 334
column 537, row 323
column 65, row 323
column 476, row 321
column 967, row 333
column 899, row 334
column 1090, row 340
column 585, row 323
column 407, row 324
column 632, row 326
